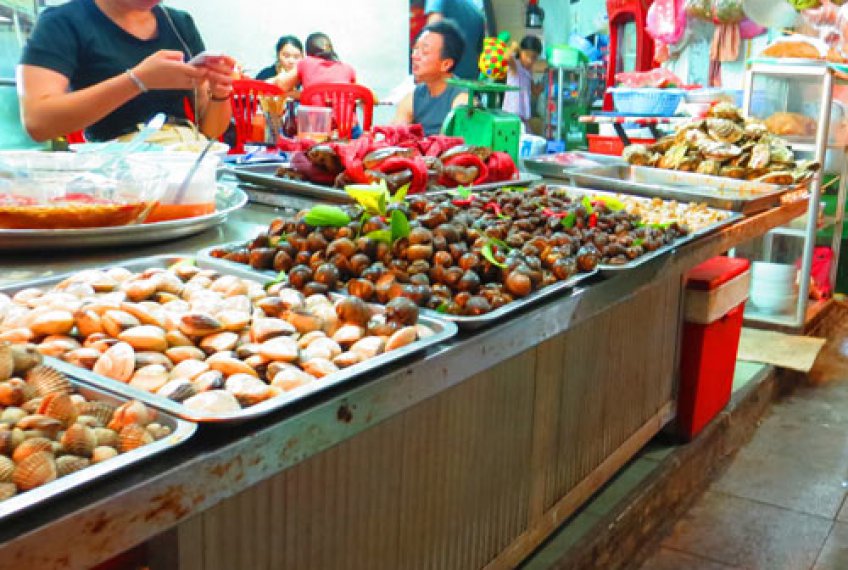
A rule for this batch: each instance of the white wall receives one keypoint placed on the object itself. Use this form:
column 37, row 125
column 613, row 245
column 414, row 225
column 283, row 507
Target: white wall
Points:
column 371, row 35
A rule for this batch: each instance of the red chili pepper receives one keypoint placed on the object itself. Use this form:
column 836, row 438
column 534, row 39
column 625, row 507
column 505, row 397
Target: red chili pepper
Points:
column 551, row 214
column 593, row 220
column 494, row 207
column 462, row 202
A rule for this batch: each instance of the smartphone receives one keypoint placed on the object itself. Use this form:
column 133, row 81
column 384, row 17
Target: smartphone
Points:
column 204, row 57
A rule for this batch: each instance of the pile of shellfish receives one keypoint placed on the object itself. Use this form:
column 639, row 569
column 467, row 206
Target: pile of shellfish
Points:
column 725, row 144
column 48, row 430
column 216, row 343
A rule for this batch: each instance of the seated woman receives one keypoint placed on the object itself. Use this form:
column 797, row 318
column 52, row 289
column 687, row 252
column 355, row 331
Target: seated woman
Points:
column 109, row 65
column 321, row 65
column 289, row 52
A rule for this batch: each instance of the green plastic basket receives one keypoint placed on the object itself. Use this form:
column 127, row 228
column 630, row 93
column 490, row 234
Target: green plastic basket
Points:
column 562, row 55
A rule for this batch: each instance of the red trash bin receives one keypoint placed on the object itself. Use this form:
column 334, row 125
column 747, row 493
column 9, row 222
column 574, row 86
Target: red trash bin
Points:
column 716, row 292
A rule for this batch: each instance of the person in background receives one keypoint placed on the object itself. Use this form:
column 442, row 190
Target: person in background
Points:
column 520, row 74
column 109, row 65
column 321, row 65
column 289, row 51
column 434, row 57
column 472, row 24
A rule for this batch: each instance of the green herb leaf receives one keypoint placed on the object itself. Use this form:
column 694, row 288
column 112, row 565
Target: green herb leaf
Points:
column 323, row 215
column 463, row 192
column 443, row 308
column 587, row 203
column 638, row 241
column 384, row 236
column 487, row 252
column 281, row 277
column 372, row 197
column 614, row 204
column 274, row 241
column 568, row 221
column 503, row 216
column 399, row 225
column 400, row 195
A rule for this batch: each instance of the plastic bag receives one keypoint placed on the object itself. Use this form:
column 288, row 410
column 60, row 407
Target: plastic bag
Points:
column 728, row 11
column 494, row 59
column 666, row 21
column 658, row 77
column 699, row 9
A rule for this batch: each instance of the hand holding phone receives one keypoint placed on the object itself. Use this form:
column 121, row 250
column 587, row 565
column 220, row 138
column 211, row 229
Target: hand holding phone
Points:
column 205, row 57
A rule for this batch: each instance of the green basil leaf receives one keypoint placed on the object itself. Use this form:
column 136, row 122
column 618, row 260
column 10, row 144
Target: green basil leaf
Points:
column 487, row 252
column 587, row 203
column 463, row 192
column 614, row 204
column 372, row 197
column 400, row 195
column 399, row 225
column 323, row 215
column 443, row 308
column 568, row 221
column 281, row 276
column 384, row 236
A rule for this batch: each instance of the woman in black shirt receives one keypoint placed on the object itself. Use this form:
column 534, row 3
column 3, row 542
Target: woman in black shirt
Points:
column 289, row 52
column 109, row 65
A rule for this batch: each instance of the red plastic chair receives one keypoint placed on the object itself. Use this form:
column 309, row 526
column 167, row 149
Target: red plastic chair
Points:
column 76, row 137
column 244, row 99
column 342, row 98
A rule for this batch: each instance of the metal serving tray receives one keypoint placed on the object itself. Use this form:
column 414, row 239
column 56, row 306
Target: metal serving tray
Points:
column 743, row 196
column 180, row 432
column 264, row 175
column 442, row 331
column 557, row 165
column 463, row 322
column 227, row 200
column 607, row 269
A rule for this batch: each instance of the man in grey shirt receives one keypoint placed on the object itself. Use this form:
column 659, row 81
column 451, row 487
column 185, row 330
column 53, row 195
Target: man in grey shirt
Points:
column 471, row 23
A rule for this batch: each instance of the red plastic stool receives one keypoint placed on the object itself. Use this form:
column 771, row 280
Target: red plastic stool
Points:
column 716, row 292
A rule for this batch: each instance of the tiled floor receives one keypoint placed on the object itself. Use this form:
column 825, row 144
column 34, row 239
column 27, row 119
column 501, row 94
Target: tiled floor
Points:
column 781, row 505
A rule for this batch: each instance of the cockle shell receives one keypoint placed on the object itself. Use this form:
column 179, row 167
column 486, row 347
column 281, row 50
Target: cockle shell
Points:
column 102, row 453
column 7, row 491
column 68, row 464
column 132, row 437
column 40, row 423
column 60, row 407
column 31, row 446
column 132, row 412
column 105, row 436
column 118, row 362
column 101, row 411
column 10, row 440
column 213, row 402
column 11, row 394
column 145, row 337
column 47, row 380
column 247, row 389
column 12, row 415
column 7, row 361
column 79, row 440
column 35, row 470
column 7, row 468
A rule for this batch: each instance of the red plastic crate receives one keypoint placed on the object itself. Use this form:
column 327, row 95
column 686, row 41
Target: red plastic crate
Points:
column 710, row 342
column 611, row 145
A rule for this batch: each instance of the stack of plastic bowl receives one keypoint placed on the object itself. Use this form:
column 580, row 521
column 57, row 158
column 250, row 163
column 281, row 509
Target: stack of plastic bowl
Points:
column 774, row 288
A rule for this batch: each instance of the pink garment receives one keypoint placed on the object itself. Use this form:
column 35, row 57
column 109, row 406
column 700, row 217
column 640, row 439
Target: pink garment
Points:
column 518, row 102
column 313, row 70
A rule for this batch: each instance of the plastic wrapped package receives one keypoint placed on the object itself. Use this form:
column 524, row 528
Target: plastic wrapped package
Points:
column 699, row 9
column 728, row 11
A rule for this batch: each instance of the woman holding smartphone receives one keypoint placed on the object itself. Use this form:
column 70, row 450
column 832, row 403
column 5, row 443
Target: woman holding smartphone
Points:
column 109, row 65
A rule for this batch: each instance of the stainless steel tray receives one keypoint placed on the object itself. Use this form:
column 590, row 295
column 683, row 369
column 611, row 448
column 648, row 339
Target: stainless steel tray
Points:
column 723, row 193
column 263, row 175
column 442, row 329
column 463, row 322
column 553, row 166
column 228, row 199
column 607, row 269
column 180, row 432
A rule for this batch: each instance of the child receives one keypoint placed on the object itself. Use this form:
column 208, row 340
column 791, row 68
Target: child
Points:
column 520, row 75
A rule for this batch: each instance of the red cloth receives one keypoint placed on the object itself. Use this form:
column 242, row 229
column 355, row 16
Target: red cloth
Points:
column 395, row 134
column 313, row 70
column 501, row 167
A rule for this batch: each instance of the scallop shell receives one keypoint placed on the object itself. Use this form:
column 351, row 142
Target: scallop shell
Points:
column 319, row 367
column 118, row 362
column 132, row 437
column 132, row 412
column 177, row 390
column 101, row 411
column 47, row 380
column 30, row 446
column 213, row 402
column 402, row 337
column 102, row 453
column 7, row 491
column 248, row 389
column 145, row 337
column 7, row 468
column 67, row 464
column 80, row 440
column 105, row 436
column 60, row 407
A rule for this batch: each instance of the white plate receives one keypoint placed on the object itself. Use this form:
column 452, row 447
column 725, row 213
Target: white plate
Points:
column 228, row 199
column 112, row 147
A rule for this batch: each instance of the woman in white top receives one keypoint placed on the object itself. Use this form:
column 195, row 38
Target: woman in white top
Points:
column 520, row 75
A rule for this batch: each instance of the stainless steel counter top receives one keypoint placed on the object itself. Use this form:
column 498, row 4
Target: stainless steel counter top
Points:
column 99, row 522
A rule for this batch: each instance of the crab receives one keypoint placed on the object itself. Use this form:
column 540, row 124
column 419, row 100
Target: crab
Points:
column 638, row 155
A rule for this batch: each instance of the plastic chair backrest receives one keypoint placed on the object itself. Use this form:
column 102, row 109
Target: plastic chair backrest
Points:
column 342, row 98
column 244, row 99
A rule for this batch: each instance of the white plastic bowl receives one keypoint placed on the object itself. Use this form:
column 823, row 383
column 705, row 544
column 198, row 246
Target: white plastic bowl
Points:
column 771, row 303
column 766, row 271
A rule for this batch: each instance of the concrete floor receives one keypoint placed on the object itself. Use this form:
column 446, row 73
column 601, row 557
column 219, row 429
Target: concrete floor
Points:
column 781, row 505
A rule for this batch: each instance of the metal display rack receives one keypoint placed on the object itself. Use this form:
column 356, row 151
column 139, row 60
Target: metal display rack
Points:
column 827, row 74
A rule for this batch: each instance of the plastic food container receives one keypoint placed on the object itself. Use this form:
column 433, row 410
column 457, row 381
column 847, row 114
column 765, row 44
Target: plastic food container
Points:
column 199, row 197
column 65, row 190
column 314, row 122
column 649, row 101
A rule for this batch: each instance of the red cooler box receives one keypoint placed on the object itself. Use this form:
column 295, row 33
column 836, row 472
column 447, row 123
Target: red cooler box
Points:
column 716, row 292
